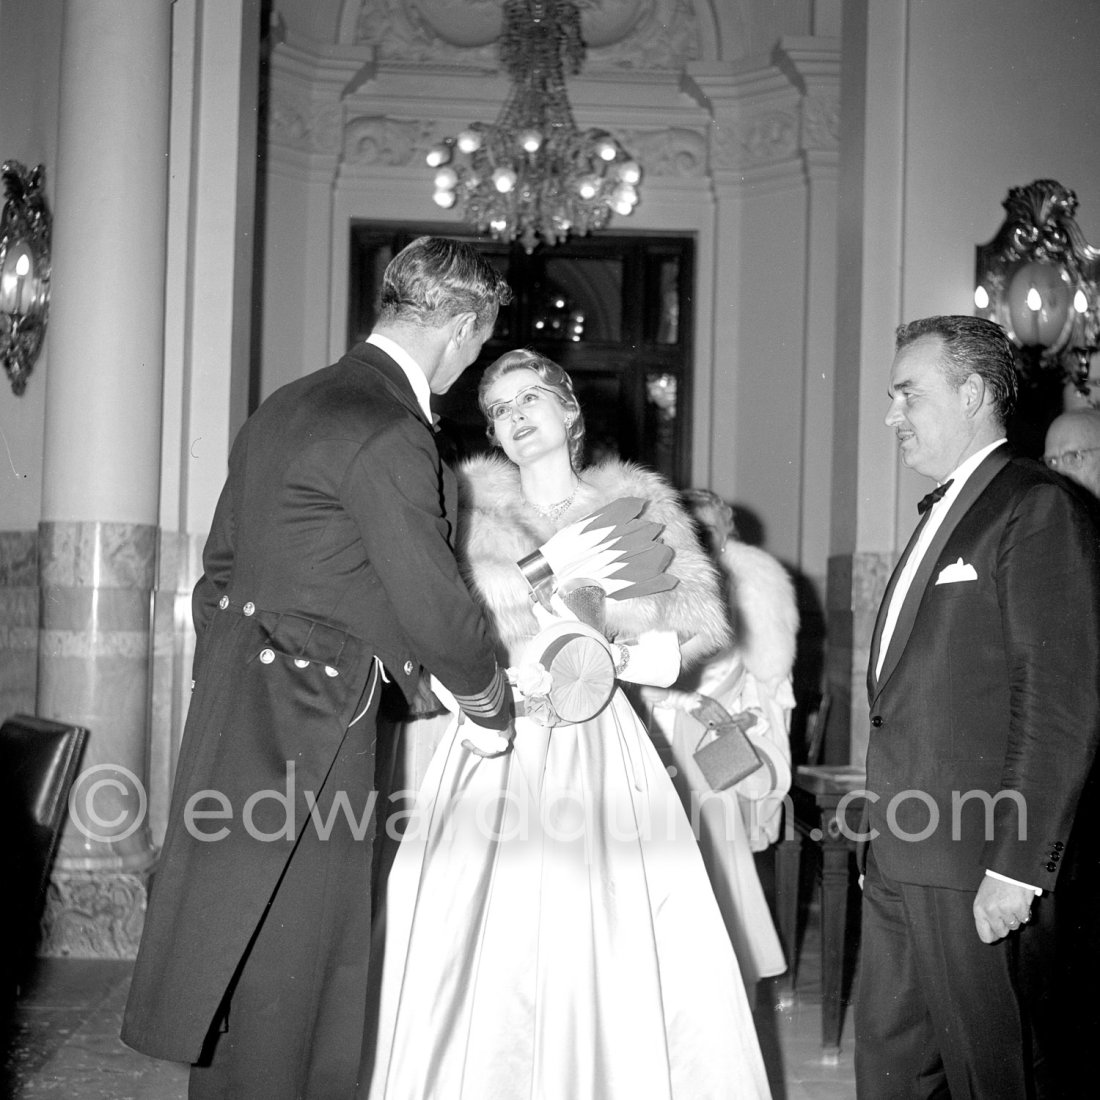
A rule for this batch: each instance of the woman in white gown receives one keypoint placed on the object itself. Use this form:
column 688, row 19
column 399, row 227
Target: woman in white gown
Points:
column 549, row 929
column 750, row 680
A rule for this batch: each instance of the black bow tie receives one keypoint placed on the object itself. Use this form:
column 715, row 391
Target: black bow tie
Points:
column 927, row 501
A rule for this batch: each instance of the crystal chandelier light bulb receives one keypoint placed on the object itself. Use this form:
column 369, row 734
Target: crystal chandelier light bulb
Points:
column 504, row 179
column 446, row 179
column 1080, row 301
column 469, row 141
column 438, row 154
column 606, row 150
column 588, row 187
column 530, row 141
column 446, row 199
column 981, row 297
column 630, row 172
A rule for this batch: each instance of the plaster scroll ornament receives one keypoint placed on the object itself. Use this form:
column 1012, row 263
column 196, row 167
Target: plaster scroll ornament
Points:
column 677, row 152
column 618, row 33
column 384, row 141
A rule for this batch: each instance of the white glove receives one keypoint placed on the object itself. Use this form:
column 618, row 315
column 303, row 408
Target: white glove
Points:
column 480, row 740
column 654, row 659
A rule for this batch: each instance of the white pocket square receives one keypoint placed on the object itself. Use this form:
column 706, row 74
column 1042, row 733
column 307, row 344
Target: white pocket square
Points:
column 960, row 571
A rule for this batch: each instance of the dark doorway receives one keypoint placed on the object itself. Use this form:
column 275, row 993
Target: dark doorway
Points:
column 614, row 310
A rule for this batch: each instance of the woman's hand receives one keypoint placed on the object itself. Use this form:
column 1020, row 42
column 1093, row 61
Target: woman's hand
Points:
column 654, row 659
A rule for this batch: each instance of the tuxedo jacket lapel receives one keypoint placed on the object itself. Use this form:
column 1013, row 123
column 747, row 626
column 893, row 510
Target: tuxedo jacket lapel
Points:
column 974, row 487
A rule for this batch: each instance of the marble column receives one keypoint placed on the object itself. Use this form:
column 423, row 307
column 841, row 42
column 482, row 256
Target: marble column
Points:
column 98, row 531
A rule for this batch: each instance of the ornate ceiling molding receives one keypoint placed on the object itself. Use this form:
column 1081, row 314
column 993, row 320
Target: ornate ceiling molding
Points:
column 396, row 143
column 761, row 138
column 299, row 123
column 821, row 122
column 387, row 142
column 620, row 34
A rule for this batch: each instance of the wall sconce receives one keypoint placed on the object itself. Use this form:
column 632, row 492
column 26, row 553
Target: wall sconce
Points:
column 24, row 270
column 1039, row 279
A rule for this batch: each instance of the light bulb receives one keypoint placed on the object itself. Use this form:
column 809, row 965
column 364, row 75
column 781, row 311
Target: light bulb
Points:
column 605, row 149
column 588, row 187
column 469, row 141
column 630, row 171
column 438, row 154
column 981, row 297
column 446, row 199
column 1080, row 302
column 446, row 179
column 1034, row 300
column 530, row 140
column 498, row 224
column 504, row 179
column 623, row 207
column 625, row 193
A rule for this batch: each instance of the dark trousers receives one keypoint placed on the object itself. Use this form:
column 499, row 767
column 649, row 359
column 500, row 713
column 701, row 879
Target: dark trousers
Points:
column 936, row 1011
column 291, row 1027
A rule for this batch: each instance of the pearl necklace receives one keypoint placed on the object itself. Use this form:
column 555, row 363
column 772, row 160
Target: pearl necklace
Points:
column 553, row 511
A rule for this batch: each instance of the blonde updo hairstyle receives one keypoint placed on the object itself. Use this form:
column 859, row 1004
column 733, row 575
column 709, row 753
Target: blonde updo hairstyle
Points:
column 551, row 377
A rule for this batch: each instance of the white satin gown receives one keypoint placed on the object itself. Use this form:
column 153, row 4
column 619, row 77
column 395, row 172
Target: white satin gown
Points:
column 549, row 931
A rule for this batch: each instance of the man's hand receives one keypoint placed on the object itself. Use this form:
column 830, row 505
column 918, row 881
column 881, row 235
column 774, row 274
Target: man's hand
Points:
column 484, row 742
column 1001, row 907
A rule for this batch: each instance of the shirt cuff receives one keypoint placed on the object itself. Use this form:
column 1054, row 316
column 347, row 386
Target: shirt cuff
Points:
column 1038, row 890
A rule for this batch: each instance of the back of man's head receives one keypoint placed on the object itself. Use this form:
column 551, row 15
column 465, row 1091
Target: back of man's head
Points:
column 434, row 279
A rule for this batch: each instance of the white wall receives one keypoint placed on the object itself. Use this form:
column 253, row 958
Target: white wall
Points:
column 999, row 93
column 30, row 54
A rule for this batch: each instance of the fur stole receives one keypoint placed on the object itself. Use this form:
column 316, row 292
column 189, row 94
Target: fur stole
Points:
column 496, row 528
column 763, row 610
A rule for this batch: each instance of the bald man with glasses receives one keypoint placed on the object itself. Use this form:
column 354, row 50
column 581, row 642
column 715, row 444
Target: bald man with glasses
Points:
column 1073, row 447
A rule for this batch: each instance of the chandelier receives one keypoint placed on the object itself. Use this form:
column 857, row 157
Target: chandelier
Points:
column 532, row 174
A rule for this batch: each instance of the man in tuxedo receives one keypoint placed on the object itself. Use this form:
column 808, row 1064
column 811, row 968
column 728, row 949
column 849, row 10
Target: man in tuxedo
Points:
column 329, row 568
column 985, row 715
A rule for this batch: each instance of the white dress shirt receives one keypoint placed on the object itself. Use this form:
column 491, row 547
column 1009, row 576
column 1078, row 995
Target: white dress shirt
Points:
column 958, row 479
column 413, row 371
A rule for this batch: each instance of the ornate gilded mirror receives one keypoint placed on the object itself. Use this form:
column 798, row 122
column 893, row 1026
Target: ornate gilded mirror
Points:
column 24, row 270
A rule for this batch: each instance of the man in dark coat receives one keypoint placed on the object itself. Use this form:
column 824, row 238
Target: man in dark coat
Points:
column 329, row 568
column 985, row 714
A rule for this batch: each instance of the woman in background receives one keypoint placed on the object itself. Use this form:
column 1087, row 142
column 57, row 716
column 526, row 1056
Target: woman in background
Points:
column 550, row 930
column 750, row 683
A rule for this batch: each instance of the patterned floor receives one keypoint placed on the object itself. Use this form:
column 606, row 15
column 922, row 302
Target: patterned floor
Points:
column 64, row 1041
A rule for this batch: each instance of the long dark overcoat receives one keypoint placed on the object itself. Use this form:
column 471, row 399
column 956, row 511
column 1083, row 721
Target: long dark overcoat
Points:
column 329, row 564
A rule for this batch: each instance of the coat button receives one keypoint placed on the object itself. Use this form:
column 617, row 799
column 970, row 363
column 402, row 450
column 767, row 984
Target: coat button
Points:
column 1057, row 845
column 300, row 663
column 267, row 656
column 249, row 608
column 876, row 721
column 330, row 671
column 223, row 603
column 1052, row 866
column 408, row 668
